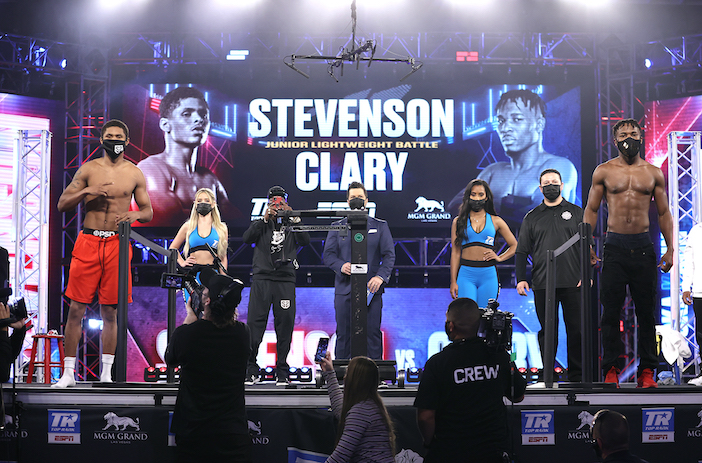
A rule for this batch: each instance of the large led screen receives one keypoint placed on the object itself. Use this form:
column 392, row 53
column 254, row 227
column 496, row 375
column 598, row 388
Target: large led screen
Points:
column 415, row 144
column 412, row 327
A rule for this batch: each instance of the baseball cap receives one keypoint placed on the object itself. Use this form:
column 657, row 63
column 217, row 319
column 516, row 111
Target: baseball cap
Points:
column 221, row 286
column 277, row 190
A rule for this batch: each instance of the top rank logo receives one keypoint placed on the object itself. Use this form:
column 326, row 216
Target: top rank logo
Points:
column 64, row 421
column 537, row 422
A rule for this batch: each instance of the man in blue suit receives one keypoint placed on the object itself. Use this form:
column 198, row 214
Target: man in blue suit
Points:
column 381, row 258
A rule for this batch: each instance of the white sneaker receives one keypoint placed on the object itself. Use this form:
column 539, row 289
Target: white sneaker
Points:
column 696, row 381
column 67, row 380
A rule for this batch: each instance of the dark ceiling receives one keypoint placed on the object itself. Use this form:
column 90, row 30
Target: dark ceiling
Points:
column 78, row 20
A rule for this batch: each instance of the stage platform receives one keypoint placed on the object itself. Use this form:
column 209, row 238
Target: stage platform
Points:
column 130, row 421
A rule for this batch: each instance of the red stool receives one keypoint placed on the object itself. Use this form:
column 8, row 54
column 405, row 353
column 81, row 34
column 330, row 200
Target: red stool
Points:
column 47, row 364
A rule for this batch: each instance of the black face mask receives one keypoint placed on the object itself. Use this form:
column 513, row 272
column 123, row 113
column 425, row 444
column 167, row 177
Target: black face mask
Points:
column 356, row 203
column 551, row 192
column 629, row 147
column 448, row 331
column 477, row 204
column 114, row 148
column 203, row 208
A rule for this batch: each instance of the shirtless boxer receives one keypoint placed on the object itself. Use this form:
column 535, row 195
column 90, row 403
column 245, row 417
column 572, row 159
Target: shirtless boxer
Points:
column 106, row 186
column 628, row 183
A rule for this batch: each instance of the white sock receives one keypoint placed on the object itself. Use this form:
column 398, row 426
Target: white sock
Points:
column 69, row 370
column 106, row 371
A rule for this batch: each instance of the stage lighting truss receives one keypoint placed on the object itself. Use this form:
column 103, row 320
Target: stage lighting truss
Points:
column 358, row 52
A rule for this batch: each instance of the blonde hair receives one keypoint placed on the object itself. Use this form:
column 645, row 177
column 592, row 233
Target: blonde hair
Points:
column 219, row 226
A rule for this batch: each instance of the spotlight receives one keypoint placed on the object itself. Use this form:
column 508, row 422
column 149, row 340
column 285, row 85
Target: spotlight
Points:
column 467, row 56
column 94, row 324
column 63, row 63
column 535, row 374
column 237, row 55
column 559, row 374
column 302, row 375
column 268, row 374
column 648, row 63
column 160, row 374
column 414, row 375
column 150, row 375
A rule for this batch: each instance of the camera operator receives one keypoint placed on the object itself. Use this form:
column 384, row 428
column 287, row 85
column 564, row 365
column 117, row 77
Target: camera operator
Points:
column 209, row 420
column 274, row 264
column 460, row 411
column 10, row 346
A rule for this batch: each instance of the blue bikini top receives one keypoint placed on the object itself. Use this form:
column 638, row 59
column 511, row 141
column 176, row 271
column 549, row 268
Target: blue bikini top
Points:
column 486, row 238
column 198, row 243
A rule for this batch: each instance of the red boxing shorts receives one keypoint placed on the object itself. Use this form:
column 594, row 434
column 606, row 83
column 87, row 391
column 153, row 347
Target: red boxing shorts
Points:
column 95, row 267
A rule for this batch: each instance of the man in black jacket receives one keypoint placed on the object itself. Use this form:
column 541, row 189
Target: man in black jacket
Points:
column 274, row 264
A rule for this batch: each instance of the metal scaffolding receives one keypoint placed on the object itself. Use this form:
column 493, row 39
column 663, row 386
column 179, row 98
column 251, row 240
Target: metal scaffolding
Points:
column 30, row 223
column 86, row 112
column 684, row 182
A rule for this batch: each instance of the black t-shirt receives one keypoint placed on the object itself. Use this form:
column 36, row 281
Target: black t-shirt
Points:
column 213, row 369
column 547, row 228
column 464, row 384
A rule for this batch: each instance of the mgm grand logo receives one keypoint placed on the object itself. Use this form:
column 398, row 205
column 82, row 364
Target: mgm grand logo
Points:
column 255, row 433
column 583, row 431
column 120, row 430
column 429, row 210
column 697, row 430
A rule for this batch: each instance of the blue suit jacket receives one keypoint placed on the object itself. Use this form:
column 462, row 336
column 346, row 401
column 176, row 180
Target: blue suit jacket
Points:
column 381, row 253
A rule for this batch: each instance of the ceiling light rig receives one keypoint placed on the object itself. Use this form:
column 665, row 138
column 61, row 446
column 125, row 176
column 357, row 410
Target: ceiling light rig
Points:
column 362, row 52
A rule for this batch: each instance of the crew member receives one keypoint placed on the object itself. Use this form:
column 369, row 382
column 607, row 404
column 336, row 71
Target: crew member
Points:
column 460, row 411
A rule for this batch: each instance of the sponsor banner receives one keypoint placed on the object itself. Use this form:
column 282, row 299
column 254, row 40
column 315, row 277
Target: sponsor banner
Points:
column 696, row 431
column 658, row 425
column 120, row 429
column 305, row 456
column 64, row 426
column 584, row 430
column 538, row 427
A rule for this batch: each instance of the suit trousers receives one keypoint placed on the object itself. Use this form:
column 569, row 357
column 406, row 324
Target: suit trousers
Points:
column 342, row 306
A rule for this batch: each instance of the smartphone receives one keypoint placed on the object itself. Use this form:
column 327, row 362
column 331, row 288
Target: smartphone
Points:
column 322, row 347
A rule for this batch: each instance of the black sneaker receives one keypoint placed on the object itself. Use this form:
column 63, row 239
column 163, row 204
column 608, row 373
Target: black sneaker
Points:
column 252, row 379
column 282, row 381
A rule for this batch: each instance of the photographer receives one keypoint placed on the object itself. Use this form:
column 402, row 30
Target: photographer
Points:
column 10, row 346
column 209, row 420
column 460, row 411
column 274, row 264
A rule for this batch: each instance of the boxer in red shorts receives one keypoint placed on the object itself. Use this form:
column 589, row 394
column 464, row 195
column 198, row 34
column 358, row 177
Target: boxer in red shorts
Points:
column 106, row 187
